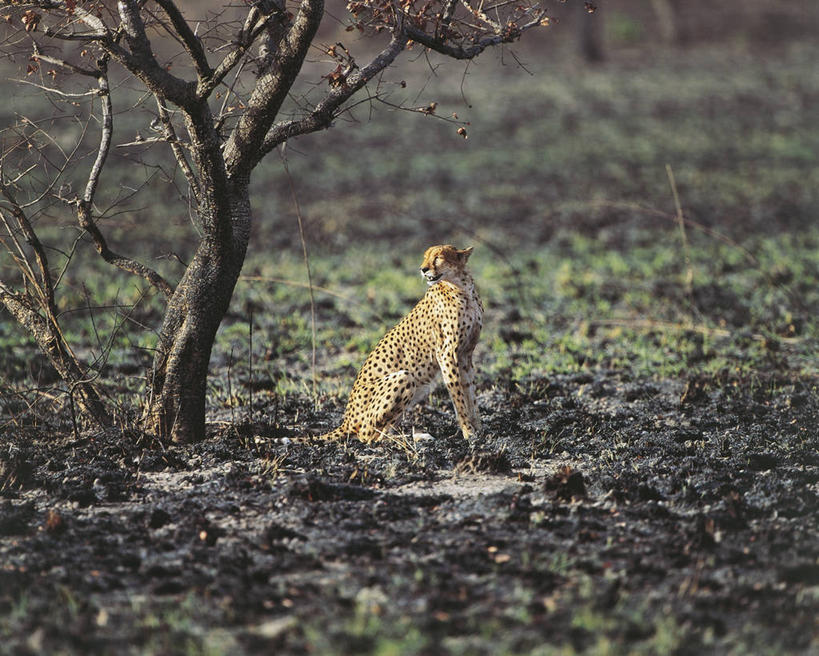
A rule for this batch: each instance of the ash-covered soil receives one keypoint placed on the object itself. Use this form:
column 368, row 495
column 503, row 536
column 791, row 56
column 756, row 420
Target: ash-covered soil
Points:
column 597, row 512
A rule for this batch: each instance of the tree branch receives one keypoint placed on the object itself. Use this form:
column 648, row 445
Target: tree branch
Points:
column 107, row 132
column 44, row 285
column 88, row 72
column 323, row 114
column 43, row 324
column 85, row 204
column 439, row 44
column 176, row 146
column 243, row 150
column 120, row 261
column 192, row 44
column 141, row 60
column 74, row 36
column 250, row 31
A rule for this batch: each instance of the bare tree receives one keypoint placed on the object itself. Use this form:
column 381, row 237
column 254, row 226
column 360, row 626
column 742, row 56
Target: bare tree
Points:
column 219, row 110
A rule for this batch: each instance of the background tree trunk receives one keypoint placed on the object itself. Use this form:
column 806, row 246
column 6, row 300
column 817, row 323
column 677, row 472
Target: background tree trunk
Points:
column 668, row 21
column 590, row 33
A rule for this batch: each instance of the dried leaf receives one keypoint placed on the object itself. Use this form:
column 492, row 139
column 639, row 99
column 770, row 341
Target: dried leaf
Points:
column 31, row 19
column 54, row 522
column 336, row 77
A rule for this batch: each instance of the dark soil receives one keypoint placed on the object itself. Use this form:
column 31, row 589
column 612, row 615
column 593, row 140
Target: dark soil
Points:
column 597, row 507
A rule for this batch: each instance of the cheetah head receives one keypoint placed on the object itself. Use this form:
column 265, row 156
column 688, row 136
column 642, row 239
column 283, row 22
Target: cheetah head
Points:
column 443, row 263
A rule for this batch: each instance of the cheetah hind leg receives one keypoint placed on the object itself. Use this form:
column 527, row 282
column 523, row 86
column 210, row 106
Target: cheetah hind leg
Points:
column 393, row 394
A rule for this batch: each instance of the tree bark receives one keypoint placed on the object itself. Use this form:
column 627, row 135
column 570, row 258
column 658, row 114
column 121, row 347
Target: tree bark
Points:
column 176, row 405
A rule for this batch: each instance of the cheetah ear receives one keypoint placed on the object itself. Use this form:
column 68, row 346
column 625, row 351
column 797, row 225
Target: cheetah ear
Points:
column 463, row 255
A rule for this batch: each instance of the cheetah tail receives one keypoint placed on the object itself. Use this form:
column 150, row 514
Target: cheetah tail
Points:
column 336, row 434
column 339, row 433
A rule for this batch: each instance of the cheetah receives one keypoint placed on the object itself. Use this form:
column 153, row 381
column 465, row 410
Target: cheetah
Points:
column 439, row 333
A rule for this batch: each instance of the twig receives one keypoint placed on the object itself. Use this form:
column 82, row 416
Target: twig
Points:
column 636, row 207
column 250, row 31
column 68, row 159
column 306, row 264
column 230, row 91
column 506, row 35
column 689, row 269
column 142, row 142
column 426, row 111
column 479, row 13
column 250, row 359
column 446, row 19
column 231, row 402
column 64, row 64
column 296, row 283
column 64, row 94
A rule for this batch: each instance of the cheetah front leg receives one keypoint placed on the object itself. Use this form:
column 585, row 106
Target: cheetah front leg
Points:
column 460, row 381
column 471, row 399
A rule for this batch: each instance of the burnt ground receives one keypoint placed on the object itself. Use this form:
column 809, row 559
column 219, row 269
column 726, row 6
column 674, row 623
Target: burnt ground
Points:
column 598, row 513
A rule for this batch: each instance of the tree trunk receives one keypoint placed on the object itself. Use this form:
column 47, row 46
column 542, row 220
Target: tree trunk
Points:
column 175, row 408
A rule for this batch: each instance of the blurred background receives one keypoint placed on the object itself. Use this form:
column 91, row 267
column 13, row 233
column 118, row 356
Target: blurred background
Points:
column 587, row 110
column 571, row 118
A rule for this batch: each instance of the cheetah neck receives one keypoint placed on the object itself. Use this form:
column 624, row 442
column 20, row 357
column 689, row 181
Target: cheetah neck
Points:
column 462, row 284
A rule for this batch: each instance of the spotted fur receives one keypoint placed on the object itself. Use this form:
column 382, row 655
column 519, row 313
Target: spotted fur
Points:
column 439, row 334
